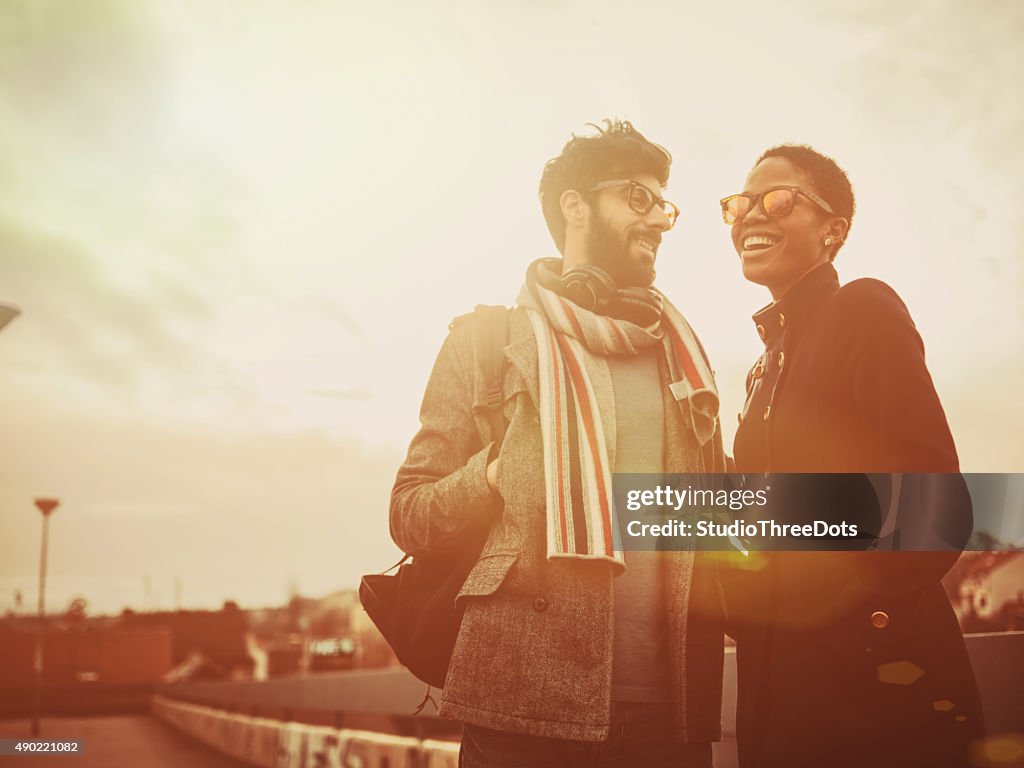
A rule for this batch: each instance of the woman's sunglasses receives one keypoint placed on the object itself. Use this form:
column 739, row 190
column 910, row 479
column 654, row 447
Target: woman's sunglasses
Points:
column 774, row 202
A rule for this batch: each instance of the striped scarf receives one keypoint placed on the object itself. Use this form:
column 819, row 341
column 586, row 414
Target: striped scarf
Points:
column 571, row 343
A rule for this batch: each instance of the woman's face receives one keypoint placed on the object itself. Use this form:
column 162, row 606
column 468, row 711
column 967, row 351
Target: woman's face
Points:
column 777, row 252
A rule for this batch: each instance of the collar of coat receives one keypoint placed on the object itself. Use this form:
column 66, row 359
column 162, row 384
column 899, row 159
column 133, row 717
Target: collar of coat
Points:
column 800, row 301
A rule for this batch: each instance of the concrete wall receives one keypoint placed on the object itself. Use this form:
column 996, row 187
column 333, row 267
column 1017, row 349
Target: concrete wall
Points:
column 392, row 696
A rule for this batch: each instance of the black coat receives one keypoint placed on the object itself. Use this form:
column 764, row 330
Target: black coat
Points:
column 846, row 658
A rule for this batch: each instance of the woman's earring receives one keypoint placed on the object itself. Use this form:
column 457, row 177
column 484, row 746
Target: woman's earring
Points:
column 828, row 241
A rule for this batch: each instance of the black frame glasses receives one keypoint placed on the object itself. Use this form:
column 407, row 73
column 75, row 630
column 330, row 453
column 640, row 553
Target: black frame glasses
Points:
column 642, row 199
column 730, row 216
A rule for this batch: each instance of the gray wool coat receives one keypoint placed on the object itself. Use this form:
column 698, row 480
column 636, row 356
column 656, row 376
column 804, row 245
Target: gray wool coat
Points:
column 534, row 653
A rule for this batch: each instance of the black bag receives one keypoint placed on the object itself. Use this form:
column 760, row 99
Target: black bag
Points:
column 415, row 608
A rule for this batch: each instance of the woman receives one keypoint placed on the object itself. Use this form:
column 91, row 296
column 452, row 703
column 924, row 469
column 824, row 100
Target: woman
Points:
column 844, row 658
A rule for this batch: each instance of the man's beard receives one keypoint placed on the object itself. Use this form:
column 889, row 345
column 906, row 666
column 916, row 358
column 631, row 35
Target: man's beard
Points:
column 612, row 252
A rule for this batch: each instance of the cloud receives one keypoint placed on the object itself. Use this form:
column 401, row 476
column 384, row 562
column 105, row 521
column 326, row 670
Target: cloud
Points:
column 344, row 394
column 920, row 72
column 84, row 74
column 233, row 515
column 83, row 323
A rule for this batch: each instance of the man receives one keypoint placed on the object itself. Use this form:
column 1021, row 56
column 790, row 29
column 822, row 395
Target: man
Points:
column 569, row 653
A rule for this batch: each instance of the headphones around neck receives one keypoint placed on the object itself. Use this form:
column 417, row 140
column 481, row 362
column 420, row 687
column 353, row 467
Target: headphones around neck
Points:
column 594, row 289
column 589, row 287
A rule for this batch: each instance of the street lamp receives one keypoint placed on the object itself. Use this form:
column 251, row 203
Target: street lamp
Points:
column 46, row 506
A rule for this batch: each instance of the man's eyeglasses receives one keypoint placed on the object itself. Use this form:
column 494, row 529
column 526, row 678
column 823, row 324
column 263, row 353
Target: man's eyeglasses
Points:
column 641, row 199
column 774, row 202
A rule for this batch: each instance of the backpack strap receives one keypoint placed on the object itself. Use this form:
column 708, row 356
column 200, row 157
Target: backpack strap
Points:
column 491, row 338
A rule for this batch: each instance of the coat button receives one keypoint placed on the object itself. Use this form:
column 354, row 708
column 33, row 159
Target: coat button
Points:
column 879, row 619
column 540, row 604
column 758, row 371
column 782, row 320
column 761, row 331
column 782, row 358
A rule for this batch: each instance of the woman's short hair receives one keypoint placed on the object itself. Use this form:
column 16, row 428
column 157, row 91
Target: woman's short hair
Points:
column 829, row 180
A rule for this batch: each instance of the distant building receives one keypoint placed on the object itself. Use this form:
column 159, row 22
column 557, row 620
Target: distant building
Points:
column 220, row 637
column 991, row 592
column 106, row 655
column 90, row 668
column 312, row 635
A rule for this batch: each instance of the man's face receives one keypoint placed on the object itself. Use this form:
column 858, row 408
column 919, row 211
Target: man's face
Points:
column 621, row 241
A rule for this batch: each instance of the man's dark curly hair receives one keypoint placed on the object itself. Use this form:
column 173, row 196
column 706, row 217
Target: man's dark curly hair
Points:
column 829, row 180
column 617, row 151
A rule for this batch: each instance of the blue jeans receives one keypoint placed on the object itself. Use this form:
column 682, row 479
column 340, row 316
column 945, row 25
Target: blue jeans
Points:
column 641, row 738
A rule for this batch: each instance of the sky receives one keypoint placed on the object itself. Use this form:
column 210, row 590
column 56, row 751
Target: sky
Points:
column 237, row 234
